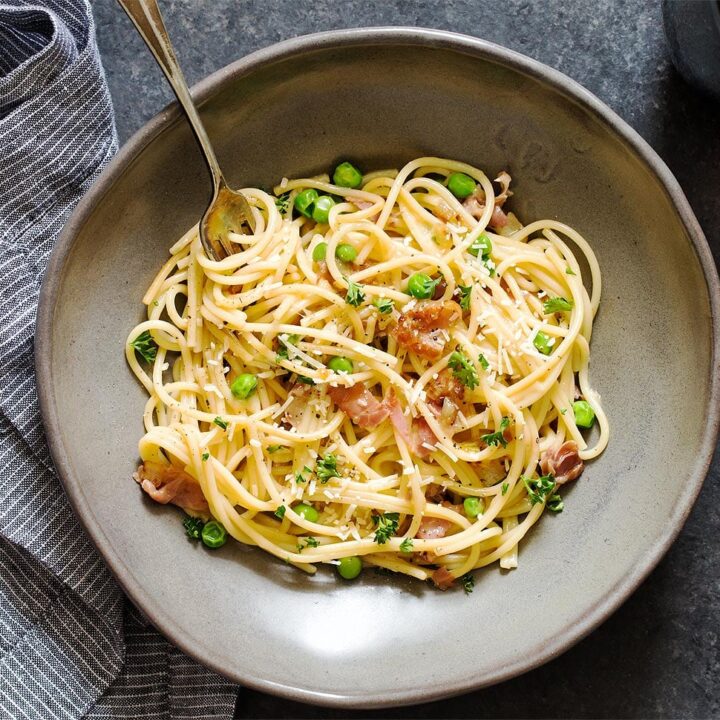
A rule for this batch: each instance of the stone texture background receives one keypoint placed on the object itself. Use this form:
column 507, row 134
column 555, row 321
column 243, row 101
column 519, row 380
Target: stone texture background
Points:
column 658, row 656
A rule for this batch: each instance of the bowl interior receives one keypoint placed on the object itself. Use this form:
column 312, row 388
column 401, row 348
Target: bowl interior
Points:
column 380, row 103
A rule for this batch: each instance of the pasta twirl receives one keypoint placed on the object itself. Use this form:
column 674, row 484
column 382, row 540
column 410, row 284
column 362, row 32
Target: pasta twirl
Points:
column 396, row 371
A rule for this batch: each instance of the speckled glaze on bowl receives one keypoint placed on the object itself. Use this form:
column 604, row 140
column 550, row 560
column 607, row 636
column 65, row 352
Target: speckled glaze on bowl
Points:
column 381, row 97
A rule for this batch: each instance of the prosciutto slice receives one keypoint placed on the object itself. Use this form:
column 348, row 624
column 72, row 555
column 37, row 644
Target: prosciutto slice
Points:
column 563, row 462
column 169, row 484
column 475, row 205
column 432, row 528
column 421, row 328
column 360, row 405
column 417, row 434
column 365, row 410
column 443, row 578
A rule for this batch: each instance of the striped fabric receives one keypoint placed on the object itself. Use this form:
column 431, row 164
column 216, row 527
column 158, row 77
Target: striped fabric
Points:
column 71, row 645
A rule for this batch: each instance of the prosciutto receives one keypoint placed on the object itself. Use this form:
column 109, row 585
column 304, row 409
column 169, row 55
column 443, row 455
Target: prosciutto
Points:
column 360, row 405
column 422, row 437
column 432, row 528
column 498, row 219
column 445, row 397
column 475, row 204
column 504, row 179
column 417, row 434
column 443, row 578
column 445, row 387
column 562, row 462
column 421, row 328
column 363, row 408
column 169, row 484
column 397, row 416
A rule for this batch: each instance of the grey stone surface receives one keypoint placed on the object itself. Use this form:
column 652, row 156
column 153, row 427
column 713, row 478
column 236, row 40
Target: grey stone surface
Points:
column 658, row 656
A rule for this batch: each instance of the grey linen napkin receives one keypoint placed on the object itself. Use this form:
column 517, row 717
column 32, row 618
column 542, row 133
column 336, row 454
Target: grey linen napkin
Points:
column 71, row 645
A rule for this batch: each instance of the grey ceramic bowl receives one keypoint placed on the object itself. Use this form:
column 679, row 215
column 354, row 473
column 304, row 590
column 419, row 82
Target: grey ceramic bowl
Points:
column 382, row 97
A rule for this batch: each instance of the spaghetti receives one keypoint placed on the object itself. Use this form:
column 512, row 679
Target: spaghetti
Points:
column 397, row 373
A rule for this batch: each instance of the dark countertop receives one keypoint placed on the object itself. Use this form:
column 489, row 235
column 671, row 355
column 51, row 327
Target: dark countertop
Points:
column 659, row 655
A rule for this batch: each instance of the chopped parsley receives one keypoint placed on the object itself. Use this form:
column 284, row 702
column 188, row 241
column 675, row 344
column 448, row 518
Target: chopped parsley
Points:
column 384, row 305
column 221, row 423
column 538, row 489
column 505, row 487
column 406, row 546
column 483, row 362
column 387, row 525
column 355, row 295
column 497, row 438
column 274, row 448
column 282, row 202
column 285, row 341
column 468, row 583
column 305, row 380
column 280, row 512
column 557, row 304
column 569, row 271
column 556, row 504
column 300, row 476
column 145, row 346
column 326, row 468
column 193, row 527
column 463, row 369
column 465, row 296
column 205, row 456
column 309, row 542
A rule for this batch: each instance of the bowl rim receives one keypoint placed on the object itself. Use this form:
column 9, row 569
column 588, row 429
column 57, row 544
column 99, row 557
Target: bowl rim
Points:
column 205, row 89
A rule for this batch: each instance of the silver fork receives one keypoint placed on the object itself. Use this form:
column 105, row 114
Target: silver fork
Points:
column 229, row 210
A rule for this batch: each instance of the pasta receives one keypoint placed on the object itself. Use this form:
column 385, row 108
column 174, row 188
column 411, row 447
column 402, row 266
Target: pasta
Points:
column 391, row 368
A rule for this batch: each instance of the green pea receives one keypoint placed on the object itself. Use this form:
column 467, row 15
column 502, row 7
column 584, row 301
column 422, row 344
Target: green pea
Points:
column 350, row 567
column 543, row 343
column 319, row 252
column 461, row 185
column 421, row 285
column 473, row 506
column 243, row 386
column 481, row 246
column 308, row 512
column 340, row 364
column 304, row 201
column 214, row 534
column 584, row 414
column 321, row 209
column 347, row 175
column 345, row 252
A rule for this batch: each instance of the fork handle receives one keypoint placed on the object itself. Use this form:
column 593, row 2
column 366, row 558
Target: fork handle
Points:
column 146, row 17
